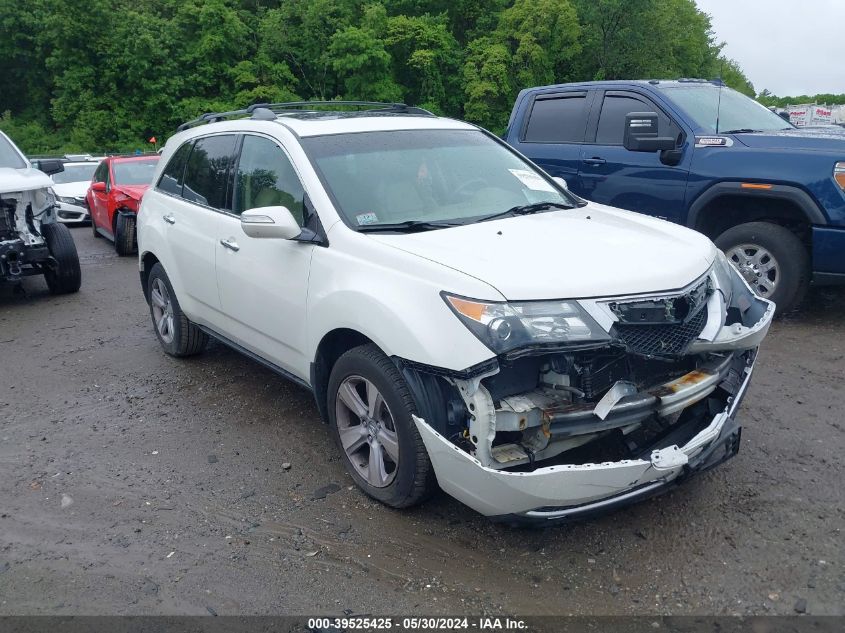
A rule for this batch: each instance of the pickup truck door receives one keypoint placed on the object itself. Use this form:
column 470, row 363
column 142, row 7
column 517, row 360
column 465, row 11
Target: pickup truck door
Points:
column 552, row 130
column 647, row 182
column 263, row 282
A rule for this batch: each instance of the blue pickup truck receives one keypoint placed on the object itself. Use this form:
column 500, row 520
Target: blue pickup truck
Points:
column 695, row 152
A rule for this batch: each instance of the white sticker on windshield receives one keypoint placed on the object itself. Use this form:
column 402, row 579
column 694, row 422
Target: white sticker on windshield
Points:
column 366, row 218
column 531, row 180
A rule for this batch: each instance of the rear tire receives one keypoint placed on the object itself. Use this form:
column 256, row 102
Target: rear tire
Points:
column 380, row 431
column 772, row 260
column 177, row 334
column 67, row 276
column 124, row 234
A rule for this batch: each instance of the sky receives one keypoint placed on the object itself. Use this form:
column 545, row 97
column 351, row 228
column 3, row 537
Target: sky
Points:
column 785, row 46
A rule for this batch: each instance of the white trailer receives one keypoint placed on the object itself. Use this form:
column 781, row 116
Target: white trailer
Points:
column 809, row 114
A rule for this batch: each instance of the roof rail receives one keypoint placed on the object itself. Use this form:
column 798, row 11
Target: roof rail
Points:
column 376, row 106
column 303, row 106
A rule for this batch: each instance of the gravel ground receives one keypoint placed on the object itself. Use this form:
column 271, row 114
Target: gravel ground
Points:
column 134, row 483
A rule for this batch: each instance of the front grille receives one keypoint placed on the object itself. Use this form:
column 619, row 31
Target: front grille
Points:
column 661, row 339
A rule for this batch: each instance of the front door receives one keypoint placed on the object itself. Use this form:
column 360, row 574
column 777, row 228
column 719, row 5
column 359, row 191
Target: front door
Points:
column 637, row 181
column 99, row 200
column 263, row 282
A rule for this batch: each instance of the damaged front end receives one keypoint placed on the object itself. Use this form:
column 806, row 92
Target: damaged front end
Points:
column 559, row 432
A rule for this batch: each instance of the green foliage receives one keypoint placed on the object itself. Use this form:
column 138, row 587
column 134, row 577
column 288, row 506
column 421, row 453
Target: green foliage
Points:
column 111, row 75
column 769, row 100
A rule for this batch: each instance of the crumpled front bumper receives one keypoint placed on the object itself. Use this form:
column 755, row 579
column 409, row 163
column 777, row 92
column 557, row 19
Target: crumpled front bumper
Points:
column 566, row 492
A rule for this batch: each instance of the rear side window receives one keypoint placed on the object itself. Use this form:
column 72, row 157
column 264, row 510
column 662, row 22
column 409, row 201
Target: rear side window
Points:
column 172, row 178
column 266, row 178
column 611, row 128
column 559, row 119
column 207, row 171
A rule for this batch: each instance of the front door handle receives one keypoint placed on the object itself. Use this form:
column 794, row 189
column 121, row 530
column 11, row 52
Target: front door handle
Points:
column 232, row 245
column 595, row 160
column 169, row 219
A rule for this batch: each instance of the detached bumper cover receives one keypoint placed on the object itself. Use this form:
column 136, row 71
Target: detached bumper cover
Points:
column 562, row 492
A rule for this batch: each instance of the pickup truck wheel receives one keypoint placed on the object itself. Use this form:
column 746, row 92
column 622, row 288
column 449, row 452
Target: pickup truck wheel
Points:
column 370, row 410
column 124, row 234
column 67, row 276
column 771, row 259
column 177, row 335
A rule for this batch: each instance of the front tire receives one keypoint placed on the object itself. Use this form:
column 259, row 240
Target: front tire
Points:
column 124, row 234
column 66, row 277
column 178, row 335
column 771, row 259
column 370, row 408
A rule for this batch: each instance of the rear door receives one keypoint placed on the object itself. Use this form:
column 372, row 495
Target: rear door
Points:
column 264, row 282
column 554, row 130
column 191, row 222
column 638, row 181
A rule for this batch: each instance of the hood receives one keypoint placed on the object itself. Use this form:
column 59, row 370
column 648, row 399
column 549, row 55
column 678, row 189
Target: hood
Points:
column 812, row 139
column 72, row 189
column 135, row 192
column 29, row 179
column 594, row 251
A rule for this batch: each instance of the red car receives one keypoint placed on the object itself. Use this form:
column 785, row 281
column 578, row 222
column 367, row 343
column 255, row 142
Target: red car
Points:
column 115, row 195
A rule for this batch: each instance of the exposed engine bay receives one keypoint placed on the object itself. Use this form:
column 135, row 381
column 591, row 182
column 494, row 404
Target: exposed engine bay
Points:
column 23, row 248
column 671, row 367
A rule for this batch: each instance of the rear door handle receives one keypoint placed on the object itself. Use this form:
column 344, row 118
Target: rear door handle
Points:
column 595, row 160
column 169, row 219
column 232, row 245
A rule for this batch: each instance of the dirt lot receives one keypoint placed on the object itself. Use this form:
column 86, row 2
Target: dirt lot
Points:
column 134, row 483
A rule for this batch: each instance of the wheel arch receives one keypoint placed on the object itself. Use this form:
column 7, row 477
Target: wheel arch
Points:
column 729, row 204
column 331, row 347
column 147, row 260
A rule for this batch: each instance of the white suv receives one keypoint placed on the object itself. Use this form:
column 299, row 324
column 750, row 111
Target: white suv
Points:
column 461, row 318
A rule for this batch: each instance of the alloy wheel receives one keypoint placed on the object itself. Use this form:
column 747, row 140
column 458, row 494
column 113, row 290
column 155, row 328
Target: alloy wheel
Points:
column 367, row 431
column 162, row 310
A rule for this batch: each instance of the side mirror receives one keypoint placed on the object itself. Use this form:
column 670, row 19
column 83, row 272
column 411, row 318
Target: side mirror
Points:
column 98, row 186
column 641, row 134
column 272, row 222
column 49, row 166
column 561, row 182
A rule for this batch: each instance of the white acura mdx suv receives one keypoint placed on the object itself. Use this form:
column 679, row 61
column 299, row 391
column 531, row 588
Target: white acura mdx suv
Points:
column 461, row 318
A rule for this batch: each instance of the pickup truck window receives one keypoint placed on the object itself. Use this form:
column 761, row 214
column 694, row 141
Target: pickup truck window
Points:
column 611, row 127
column 558, row 119
column 735, row 112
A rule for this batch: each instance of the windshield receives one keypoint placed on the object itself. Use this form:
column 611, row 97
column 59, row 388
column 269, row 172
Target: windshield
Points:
column 75, row 173
column 445, row 176
column 135, row 172
column 735, row 112
column 8, row 156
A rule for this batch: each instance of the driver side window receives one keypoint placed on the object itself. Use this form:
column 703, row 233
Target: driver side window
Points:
column 265, row 178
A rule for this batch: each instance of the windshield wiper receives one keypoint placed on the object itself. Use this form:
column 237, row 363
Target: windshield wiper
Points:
column 409, row 226
column 742, row 130
column 526, row 209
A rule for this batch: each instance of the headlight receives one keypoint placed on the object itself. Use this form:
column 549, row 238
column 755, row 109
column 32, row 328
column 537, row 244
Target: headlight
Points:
column 506, row 326
column 66, row 200
column 839, row 174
